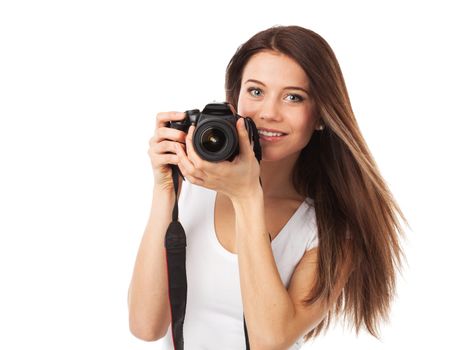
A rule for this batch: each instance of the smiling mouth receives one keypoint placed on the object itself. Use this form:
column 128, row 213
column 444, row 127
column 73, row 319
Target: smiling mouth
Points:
column 270, row 133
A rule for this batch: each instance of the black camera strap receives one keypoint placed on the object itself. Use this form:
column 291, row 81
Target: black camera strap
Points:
column 175, row 246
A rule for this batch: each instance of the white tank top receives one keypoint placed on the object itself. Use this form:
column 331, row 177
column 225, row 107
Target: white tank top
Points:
column 214, row 310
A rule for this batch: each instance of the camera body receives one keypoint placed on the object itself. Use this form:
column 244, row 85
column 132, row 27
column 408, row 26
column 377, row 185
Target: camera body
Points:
column 215, row 136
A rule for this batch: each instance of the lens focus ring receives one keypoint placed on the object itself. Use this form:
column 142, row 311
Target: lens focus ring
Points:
column 215, row 140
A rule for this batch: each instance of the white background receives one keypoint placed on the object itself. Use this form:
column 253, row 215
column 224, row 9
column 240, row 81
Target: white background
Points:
column 80, row 85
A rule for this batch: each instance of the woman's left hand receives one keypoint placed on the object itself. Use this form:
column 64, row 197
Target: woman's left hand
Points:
column 236, row 179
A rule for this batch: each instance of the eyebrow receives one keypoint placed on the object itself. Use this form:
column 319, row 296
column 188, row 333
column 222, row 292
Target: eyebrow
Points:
column 285, row 88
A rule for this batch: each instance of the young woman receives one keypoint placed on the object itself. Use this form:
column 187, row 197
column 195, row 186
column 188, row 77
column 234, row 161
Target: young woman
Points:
column 318, row 237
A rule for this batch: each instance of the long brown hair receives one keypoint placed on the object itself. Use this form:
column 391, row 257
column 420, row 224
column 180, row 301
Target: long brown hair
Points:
column 336, row 169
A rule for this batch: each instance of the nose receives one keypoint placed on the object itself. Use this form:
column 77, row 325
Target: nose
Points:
column 269, row 110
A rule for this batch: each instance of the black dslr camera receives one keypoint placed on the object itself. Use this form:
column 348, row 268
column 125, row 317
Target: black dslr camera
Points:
column 215, row 137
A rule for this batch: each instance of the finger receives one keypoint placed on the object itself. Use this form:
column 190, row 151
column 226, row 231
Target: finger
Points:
column 163, row 118
column 187, row 164
column 245, row 146
column 192, row 179
column 170, row 134
column 162, row 159
column 191, row 154
column 166, row 147
column 192, row 174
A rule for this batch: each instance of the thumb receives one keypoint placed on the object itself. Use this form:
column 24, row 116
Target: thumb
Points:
column 244, row 141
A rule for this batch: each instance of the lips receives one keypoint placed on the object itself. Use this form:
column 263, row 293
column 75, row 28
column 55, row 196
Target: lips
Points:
column 270, row 135
column 264, row 132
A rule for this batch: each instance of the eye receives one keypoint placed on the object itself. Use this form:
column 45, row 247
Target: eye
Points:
column 255, row 91
column 295, row 98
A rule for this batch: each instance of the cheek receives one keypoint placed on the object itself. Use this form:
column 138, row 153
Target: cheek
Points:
column 245, row 108
column 307, row 126
column 308, row 119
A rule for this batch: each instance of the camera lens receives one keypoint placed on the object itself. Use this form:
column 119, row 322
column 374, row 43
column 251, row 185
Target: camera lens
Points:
column 213, row 140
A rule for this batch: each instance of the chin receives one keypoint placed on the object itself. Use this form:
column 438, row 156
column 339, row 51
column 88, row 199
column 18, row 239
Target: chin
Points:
column 269, row 156
column 276, row 156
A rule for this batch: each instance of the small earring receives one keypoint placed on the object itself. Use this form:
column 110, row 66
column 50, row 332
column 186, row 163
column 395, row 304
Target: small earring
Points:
column 320, row 127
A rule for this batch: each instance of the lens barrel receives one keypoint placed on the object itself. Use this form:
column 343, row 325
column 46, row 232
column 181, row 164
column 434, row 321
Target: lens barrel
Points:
column 215, row 140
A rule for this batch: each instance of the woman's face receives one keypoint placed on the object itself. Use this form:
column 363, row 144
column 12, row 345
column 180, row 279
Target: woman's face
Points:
column 274, row 93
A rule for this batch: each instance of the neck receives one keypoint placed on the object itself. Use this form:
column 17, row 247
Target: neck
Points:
column 276, row 178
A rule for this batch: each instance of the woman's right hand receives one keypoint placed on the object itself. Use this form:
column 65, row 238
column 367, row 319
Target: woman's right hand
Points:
column 162, row 149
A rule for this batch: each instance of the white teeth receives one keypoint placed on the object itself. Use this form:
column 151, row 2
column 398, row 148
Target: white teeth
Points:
column 269, row 133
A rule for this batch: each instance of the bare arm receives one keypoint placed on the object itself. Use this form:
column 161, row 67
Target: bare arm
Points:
column 266, row 303
column 276, row 317
column 148, row 302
